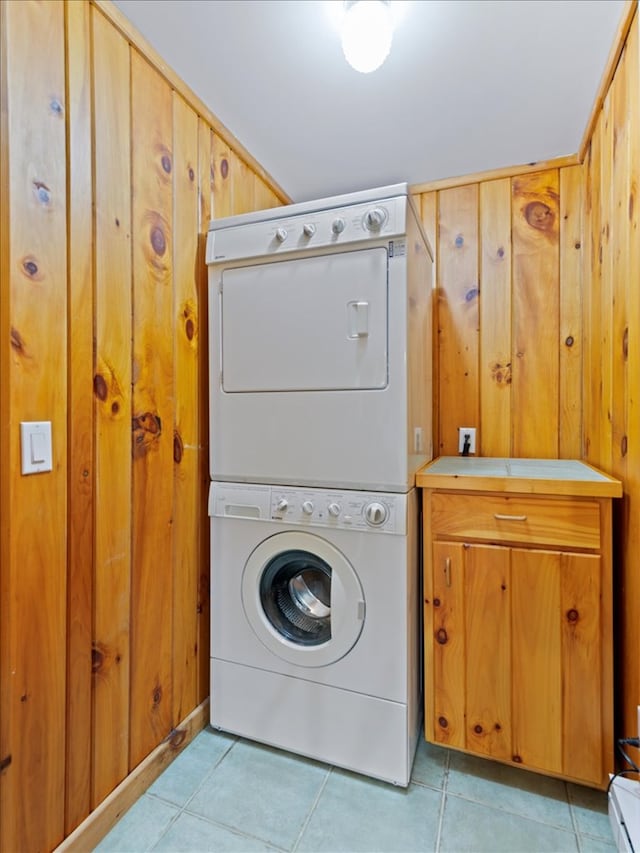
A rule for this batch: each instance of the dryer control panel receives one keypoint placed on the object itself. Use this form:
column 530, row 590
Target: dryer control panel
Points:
column 373, row 512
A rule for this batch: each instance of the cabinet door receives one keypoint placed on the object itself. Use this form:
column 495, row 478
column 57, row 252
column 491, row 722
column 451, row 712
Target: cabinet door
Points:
column 557, row 667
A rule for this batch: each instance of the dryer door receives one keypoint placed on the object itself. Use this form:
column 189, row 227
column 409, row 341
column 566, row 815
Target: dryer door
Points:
column 303, row 599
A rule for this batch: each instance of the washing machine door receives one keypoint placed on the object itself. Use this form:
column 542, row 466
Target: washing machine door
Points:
column 303, row 599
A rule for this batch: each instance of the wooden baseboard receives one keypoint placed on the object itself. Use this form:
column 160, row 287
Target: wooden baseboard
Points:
column 106, row 815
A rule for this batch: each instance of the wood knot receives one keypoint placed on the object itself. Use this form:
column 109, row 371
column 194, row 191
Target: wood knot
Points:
column 166, row 163
column 443, row 722
column 157, row 695
column 56, row 107
column 441, row 636
column 623, row 445
column 224, row 168
column 30, row 268
column 500, row 252
column 569, row 340
column 147, row 429
column 572, row 615
column 100, row 387
column 471, row 294
column 115, row 407
column 158, row 240
column 117, row 222
column 436, row 602
column 190, row 328
column 517, row 759
column 577, row 244
column 501, row 372
column 477, row 729
column 42, row 191
column 498, row 727
column 192, row 174
column 97, row 659
column 539, row 215
column 178, row 447
column 459, row 241
column 625, row 344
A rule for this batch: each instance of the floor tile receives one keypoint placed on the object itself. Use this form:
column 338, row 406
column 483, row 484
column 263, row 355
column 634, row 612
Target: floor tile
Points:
column 510, row 789
column 590, row 810
column 430, row 764
column 190, row 833
column 359, row 814
column 186, row 773
column 468, row 826
column 140, row 828
column 595, row 845
column 262, row 791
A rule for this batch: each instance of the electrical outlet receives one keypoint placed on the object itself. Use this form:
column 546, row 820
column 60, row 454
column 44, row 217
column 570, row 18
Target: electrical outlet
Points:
column 464, row 434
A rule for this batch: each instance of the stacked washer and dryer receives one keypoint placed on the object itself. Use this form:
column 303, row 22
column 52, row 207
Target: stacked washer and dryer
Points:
column 320, row 415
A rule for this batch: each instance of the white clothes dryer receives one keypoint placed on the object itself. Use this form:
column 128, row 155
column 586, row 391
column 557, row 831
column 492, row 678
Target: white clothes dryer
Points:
column 315, row 609
column 320, row 343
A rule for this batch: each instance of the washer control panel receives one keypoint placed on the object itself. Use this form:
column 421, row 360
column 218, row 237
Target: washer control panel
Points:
column 346, row 510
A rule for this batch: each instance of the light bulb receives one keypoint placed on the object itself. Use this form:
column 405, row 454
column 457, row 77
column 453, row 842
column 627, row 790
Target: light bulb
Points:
column 367, row 30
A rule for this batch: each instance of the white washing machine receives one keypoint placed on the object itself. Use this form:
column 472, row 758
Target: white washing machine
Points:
column 315, row 623
column 320, row 355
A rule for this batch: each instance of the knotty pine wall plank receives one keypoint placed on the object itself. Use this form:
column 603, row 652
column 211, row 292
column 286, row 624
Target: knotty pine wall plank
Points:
column 535, row 314
column 80, row 407
column 188, row 319
column 112, row 401
column 34, row 575
column 153, row 409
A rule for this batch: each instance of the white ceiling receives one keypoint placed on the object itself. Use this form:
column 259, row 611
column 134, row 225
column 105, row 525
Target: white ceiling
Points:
column 469, row 85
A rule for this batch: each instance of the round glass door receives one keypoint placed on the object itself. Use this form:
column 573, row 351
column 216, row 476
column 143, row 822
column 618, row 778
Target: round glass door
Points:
column 303, row 599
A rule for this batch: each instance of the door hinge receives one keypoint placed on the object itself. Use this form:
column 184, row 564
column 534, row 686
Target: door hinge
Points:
column 4, row 763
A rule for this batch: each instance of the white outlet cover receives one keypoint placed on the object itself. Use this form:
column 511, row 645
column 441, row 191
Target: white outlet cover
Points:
column 35, row 446
column 471, row 432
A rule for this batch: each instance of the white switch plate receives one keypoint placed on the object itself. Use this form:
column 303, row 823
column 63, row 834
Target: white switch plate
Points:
column 471, row 432
column 35, row 445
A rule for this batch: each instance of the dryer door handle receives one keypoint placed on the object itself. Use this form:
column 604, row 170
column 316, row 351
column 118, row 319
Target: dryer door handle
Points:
column 358, row 319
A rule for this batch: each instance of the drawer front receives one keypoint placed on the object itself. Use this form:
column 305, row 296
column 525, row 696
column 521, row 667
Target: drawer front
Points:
column 498, row 518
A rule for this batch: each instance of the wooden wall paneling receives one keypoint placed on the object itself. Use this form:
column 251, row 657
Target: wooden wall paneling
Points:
column 187, row 517
column 626, row 372
column 80, row 412
column 495, row 318
column 35, row 558
column 428, row 207
column 5, row 411
column 264, row 197
column 457, row 314
column 206, row 172
column 244, row 186
column 591, row 313
column 153, row 409
column 605, row 305
column 535, row 307
column 223, row 178
column 571, row 346
column 112, row 413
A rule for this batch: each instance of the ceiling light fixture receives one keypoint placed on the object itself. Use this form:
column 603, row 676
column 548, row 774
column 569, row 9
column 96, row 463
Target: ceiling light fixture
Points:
column 367, row 30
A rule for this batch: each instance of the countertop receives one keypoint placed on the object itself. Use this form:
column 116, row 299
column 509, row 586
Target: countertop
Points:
column 524, row 476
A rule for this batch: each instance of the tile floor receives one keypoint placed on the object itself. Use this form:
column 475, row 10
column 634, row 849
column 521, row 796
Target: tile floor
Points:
column 227, row 794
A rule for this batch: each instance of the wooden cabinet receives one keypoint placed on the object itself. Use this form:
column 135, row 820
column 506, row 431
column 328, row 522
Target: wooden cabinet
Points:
column 517, row 617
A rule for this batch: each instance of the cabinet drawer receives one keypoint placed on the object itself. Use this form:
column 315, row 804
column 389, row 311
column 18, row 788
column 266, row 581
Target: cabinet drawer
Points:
column 498, row 518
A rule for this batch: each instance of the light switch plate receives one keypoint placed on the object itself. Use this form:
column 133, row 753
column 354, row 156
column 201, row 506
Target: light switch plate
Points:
column 35, row 445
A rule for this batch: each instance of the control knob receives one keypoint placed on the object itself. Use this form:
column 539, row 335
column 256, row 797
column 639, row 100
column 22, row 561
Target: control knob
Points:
column 309, row 229
column 374, row 219
column 281, row 234
column 282, row 505
column 375, row 513
column 307, row 507
column 334, row 509
column 338, row 225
